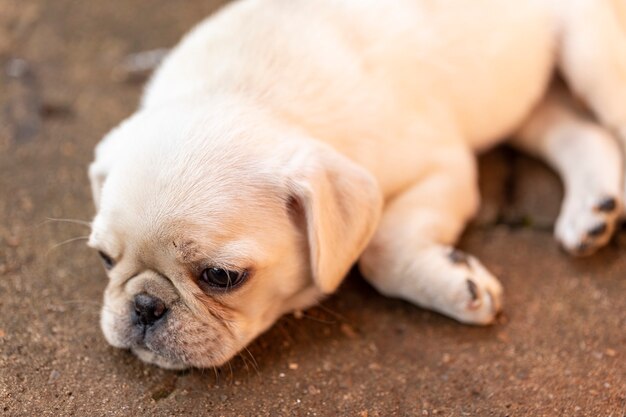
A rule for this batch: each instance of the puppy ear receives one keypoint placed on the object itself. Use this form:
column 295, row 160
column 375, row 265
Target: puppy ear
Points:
column 97, row 175
column 340, row 203
column 105, row 156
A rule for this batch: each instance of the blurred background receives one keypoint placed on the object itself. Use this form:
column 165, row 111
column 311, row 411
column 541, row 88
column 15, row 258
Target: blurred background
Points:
column 70, row 70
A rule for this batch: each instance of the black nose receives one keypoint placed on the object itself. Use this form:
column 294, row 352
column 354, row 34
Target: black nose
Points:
column 147, row 309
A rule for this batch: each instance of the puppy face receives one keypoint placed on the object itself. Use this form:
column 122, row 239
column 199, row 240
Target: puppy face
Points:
column 212, row 227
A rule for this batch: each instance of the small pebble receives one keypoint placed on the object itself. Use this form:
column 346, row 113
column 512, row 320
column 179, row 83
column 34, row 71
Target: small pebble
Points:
column 13, row 241
column 293, row 366
column 348, row 331
column 16, row 68
column 503, row 337
column 54, row 375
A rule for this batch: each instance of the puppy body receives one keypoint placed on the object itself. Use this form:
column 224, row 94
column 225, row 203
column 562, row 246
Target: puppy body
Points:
column 385, row 84
column 280, row 138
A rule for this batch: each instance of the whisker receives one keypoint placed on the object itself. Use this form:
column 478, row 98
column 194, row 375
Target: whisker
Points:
column 74, row 221
column 74, row 239
column 245, row 362
column 306, row 316
column 79, row 302
column 255, row 365
column 331, row 312
column 92, row 306
column 217, row 378
column 232, row 376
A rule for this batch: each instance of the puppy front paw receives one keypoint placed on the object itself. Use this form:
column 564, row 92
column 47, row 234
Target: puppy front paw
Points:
column 468, row 292
column 587, row 224
column 475, row 295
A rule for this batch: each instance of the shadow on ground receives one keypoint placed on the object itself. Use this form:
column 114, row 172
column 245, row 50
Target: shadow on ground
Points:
column 559, row 348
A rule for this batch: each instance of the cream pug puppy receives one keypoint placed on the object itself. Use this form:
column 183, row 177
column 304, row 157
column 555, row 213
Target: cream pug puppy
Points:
column 282, row 141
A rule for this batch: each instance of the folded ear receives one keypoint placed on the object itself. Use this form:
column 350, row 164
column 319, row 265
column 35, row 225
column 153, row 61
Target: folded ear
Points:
column 107, row 151
column 341, row 204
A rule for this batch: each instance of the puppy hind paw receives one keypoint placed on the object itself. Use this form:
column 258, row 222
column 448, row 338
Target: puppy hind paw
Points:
column 582, row 229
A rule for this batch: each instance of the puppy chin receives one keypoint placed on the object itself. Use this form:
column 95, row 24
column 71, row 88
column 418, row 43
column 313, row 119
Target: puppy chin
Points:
column 152, row 358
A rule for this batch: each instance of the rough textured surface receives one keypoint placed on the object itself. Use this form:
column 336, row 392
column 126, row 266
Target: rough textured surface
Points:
column 559, row 348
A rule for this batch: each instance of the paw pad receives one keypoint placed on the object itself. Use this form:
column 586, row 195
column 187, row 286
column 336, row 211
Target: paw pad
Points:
column 473, row 289
column 459, row 257
column 583, row 228
column 598, row 230
column 607, row 205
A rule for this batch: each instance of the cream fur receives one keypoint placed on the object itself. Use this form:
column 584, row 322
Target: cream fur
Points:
column 285, row 136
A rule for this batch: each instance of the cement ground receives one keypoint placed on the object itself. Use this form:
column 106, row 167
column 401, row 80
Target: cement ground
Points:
column 559, row 349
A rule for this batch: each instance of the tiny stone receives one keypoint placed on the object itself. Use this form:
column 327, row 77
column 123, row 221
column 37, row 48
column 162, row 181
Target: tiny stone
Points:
column 446, row 358
column 503, row 337
column 610, row 352
column 54, row 375
column 13, row 241
column 16, row 68
column 293, row 366
column 348, row 331
column 298, row 314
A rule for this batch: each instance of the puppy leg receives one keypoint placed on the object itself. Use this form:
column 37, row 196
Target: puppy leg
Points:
column 589, row 161
column 411, row 255
column 593, row 58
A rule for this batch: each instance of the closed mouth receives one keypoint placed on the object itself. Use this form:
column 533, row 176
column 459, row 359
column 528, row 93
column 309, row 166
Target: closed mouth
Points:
column 150, row 356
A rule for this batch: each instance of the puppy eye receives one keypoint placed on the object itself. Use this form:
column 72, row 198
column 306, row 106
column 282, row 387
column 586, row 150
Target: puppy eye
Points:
column 106, row 260
column 222, row 278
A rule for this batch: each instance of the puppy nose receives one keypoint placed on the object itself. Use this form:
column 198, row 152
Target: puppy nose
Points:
column 148, row 309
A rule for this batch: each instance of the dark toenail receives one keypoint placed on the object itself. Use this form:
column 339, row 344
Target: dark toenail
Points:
column 598, row 230
column 582, row 248
column 459, row 257
column 473, row 289
column 607, row 205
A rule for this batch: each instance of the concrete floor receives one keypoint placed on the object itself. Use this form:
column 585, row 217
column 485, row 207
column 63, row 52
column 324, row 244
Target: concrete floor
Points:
column 558, row 349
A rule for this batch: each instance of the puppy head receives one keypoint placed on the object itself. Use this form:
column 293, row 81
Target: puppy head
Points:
column 212, row 227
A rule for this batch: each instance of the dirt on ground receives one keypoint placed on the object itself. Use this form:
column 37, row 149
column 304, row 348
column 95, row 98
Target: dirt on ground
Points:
column 559, row 349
